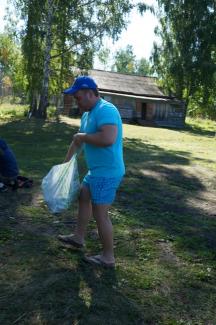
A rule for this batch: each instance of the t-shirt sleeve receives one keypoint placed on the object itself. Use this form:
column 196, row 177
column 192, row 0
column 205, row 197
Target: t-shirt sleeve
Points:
column 107, row 115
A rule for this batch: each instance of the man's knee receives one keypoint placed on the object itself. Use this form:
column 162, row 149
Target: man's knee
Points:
column 101, row 211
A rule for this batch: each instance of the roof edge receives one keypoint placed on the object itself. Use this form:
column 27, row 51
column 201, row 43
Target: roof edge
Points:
column 132, row 93
column 124, row 74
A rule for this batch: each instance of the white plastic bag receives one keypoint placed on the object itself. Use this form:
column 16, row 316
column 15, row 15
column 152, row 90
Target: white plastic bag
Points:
column 61, row 185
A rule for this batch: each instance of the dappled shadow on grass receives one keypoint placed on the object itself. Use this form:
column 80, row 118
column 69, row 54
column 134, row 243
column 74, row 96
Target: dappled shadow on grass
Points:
column 156, row 192
column 39, row 282
column 38, row 145
column 46, row 285
column 43, row 284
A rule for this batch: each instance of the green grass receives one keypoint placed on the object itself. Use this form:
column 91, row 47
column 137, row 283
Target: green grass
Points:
column 13, row 111
column 164, row 220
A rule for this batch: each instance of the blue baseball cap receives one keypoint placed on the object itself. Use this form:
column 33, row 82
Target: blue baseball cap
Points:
column 81, row 82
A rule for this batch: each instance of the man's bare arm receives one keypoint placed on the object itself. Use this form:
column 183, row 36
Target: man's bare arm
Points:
column 104, row 138
column 71, row 151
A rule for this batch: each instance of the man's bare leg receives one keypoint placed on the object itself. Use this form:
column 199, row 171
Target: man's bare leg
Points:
column 105, row 231
column 84, row 214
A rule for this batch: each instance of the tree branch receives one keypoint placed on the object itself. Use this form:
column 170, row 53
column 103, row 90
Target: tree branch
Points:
column 63, row 52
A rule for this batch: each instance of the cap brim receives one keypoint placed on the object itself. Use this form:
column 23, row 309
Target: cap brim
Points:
column 70, row 90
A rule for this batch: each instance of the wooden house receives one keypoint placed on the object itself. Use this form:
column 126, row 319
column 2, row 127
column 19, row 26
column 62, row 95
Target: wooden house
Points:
column 138, row 99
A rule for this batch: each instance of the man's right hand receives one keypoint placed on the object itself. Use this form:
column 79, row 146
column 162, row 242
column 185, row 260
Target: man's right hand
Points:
column 79, row 139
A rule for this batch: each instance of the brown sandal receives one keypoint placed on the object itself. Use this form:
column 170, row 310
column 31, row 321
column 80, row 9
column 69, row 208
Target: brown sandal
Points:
column 69, row 241
column 97, row 261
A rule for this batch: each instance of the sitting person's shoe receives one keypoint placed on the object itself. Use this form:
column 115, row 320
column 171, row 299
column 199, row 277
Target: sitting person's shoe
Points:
column 24, row 182
column 68, row 241
column 14, row 185
column 3, row 188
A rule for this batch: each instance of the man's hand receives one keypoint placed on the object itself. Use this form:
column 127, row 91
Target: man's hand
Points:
column 74, row 146
column 79, row 138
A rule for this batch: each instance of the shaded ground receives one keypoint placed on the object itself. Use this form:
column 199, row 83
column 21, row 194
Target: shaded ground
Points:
column 165, row 224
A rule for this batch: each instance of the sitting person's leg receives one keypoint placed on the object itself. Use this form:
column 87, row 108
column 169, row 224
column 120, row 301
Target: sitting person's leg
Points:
column 3, row 187
column 8, row 165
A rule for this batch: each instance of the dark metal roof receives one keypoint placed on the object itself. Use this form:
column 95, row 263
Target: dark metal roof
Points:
column 126, row 83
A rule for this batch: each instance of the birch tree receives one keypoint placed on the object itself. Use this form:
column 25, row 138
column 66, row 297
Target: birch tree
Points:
column 44, row 101
column 59, row 34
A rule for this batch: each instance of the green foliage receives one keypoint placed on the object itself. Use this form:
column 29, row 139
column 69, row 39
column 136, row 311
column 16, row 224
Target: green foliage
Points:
column 61, row 34
column 33, row 47
column 125, row 62
column 198, row 107
column 11, row 63
column 143, row 67
column 104, row 57
column 185, row 60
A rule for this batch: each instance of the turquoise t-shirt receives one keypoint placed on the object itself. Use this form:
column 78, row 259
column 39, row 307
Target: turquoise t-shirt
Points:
column 103, row 161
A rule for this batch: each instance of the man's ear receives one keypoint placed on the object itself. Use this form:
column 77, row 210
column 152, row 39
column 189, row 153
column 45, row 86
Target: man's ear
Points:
column 91, row 93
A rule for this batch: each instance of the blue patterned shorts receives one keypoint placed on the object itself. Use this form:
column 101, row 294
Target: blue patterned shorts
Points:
column 102, row 189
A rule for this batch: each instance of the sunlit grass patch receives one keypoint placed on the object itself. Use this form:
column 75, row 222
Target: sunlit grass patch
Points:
column 12, row 111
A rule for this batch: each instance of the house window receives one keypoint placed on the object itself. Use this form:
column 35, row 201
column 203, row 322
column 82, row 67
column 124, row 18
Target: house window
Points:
column 161, row 112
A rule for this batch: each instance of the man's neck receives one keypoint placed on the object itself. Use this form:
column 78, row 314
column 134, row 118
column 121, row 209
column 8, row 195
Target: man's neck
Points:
column 94, row 103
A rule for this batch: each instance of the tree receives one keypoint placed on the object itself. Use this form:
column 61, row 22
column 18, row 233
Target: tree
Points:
column 104, row 57
column 60, row 33
column 11, row 63
column 143, row 67
column 125, row 62
column 185, row 60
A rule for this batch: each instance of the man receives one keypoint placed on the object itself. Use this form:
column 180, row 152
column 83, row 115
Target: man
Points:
column 8, row 167
column 101, row 135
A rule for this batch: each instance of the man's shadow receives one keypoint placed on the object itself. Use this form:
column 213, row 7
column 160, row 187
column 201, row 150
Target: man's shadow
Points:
column 107, row 304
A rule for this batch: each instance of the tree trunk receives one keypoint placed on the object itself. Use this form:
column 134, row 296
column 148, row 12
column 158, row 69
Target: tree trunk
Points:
column 44, row 103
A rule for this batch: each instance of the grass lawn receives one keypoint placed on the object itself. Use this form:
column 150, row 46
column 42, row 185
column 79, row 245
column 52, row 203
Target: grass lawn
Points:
column 164, row 222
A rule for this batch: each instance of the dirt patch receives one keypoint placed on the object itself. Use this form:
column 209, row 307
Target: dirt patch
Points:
column 167, row 254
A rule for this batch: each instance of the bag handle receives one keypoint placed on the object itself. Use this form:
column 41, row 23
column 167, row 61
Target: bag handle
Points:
column 78, row 151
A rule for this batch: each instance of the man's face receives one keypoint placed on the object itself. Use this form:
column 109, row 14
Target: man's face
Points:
column 83, row 99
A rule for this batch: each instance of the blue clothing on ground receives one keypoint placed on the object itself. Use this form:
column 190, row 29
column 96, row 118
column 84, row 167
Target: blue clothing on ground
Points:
column 102, row 189
column 103, row 161
column 8, row 163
